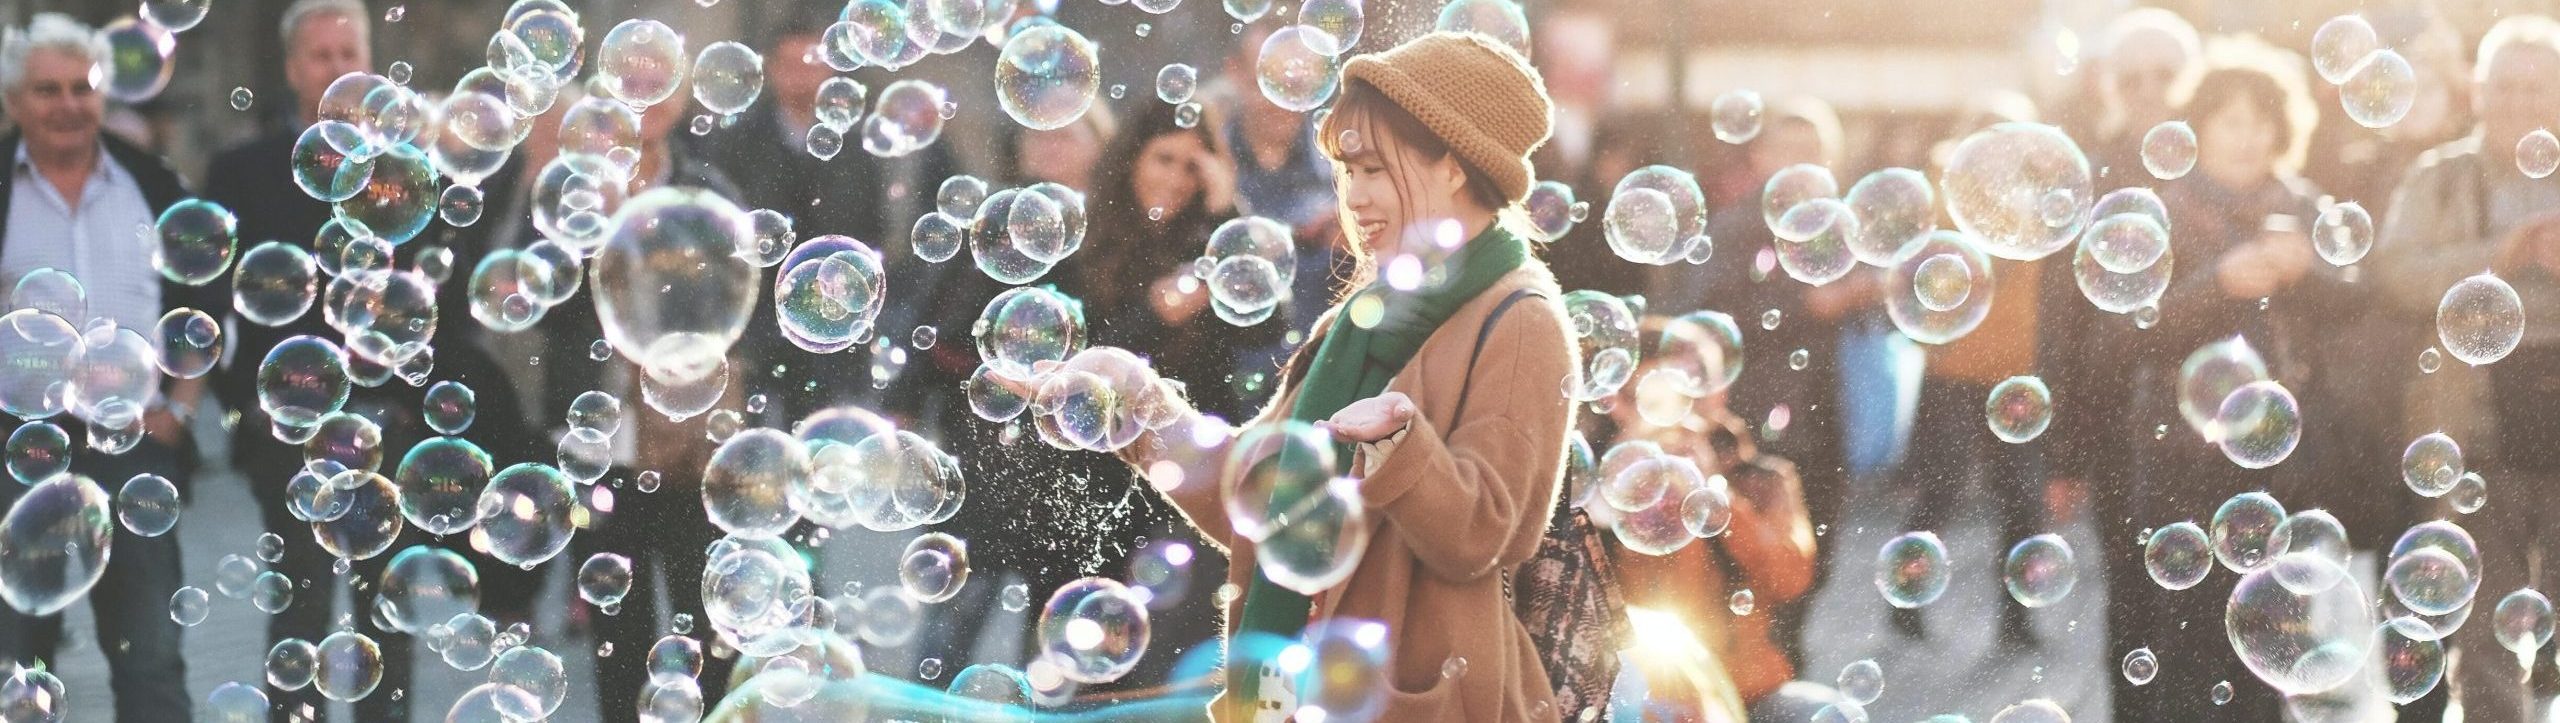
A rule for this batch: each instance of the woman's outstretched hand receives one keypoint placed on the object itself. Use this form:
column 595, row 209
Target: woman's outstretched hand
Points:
column 1372, row 419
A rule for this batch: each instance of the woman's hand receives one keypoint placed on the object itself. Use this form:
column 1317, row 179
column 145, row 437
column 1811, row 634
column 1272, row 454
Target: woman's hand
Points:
column 1024, row 387
column 1372, row 419
column 1217, row 180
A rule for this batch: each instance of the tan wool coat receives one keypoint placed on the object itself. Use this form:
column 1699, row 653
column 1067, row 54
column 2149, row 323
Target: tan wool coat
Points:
column 1451, row 509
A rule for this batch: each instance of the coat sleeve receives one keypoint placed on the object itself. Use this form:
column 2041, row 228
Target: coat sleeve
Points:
column 1473, row 500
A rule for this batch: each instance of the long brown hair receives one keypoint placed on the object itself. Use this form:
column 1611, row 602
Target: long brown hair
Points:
column 1118, row 265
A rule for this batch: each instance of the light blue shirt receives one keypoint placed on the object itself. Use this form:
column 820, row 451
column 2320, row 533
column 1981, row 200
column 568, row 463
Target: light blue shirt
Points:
column 106, row 242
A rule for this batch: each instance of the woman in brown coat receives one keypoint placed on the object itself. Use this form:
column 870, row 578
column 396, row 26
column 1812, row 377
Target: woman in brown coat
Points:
column 1430, row 142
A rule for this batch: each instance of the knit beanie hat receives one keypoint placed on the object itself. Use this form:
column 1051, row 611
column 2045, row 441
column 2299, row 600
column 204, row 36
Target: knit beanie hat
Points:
column 1474, row 92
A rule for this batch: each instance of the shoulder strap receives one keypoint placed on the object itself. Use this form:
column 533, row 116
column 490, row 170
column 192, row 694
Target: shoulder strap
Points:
column 1469, row 383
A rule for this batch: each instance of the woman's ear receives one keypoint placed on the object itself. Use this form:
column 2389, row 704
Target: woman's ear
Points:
column 1452, row 174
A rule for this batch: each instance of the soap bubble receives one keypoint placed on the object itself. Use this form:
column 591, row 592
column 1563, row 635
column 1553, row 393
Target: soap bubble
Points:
column 575, row 196
column 1500, row 20
column 2340, row 44
column 2316, row 532
column 934, row 567
column 2208, row 378
column 2001, row 187
column 148, row 505
column 907, row 118
column 1912, row 569
column 641, row 62
column 2178, row 556
column 370, row 520
column 1790, row 188
column 2434, row 568
column 525, row 514
column 2381, row 89
column 274, row 283
column 774, row 237
column 440, row 482
column 1320, row 543
column 1653, row 213
column 2169, row 150
column 1026, row 325
column 2123, row 262
column 1704, row 345
column 1176, row 82
column 2040, row 571
column 197, row 239
column 1046, row 76
column 302, row 379
column 1552, row 210
column 675, row 243
column 1735, row 116
column 2343, row 233
column 682, row 399
column 1253, row 262
column 1895, row 207
column 1816, row 248
column 727, row 77
column 2245, row 531
column 1297, row 68
column 535, row 672
column 937, row 237
column 1606, row 330
column 749, row 588
column 2260, row 424
column 1094, row 629
column 1046, row 222
column 399, row 198
column 2019, row 409
column 449, row 407
column 37, row 364
column 135, row 59
column 350, row 666
column 2523, row 621
column 2411, row 666
column 427, row 585
column 829, row 293
column 745, row 489
column 469, row 641
column 2480, row 320
column 37, row 451
column 2140, row 666
column 2301, row 623
column 325, row 172
column 604, row 579
column 54, row 544
column 1938, row 289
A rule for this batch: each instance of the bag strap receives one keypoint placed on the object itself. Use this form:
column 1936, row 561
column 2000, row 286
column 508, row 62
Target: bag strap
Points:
column 1468, row 383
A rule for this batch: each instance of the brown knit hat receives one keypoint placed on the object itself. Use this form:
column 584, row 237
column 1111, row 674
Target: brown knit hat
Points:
column 1474, row 92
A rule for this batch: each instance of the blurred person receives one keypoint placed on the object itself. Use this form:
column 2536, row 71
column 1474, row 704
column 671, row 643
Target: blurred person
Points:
column 1460, row 506
column 2465, row 207
column 1576, row 51
column 1620, row 144
column 71, row 203
column 2240, row 222
column 658, row 523
column 1282, row 175
column 1766, row 550
column 1069, row 155
column 2142, row 54
column 2360, row 164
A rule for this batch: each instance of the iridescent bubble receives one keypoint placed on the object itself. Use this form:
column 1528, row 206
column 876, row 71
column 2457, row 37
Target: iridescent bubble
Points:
column 1735, row 116
column 189, row 606
column 272, row 592
column 641, row 62
column 2538, row 153
column 1320, row 543
column 2316, row 532
column 597, row 411
column 1551, row 210
column 2411, row 666
column 1823, row 253
column 197, row 239
column 2123, row 262
column 681, row 399
column 148, row 505
column 468, row 641
column 1939, row 288
column 2179, row 555
column 427, row 585
column 727, row 77
column 2260, row 425
column 1861, row 682
column 1652, row 214
column 1252, row 263
column 774, row 237
column 2019, row 409
column 292, row 663
column 37, row 364
column 525, row 515
column 2470, row 492
column 1094, row 629
column 1500, row 20
column 907, row 118
column 677, row 243
column 1791, row 188
column 345, row 440
column 1704, row 345
column 2480, row 320
column 1046, row 222
column 1176, row 82
column 536, row 672
column 2246, row 532
column 2343, row 233
column 1895, row 207
column 493, row 703
column 1297, row 68
column 2434, row 568
column 37, row 451
column 1605, row 328
column 460, row 205
column 350, row 666
column 750, row 586
column 2140, row 666
column 1027, row 325
column 136, row 60
column 1708, row 510
column 2169, row 150
column 2340, row 44
column 177, row 16
column 323, row 171
column 1046, row 76
column 745, row 489
column 829, row 293
column 934, row 567
column 274, row 283
column 399, row 198
column 449, row 407
column 2301, row 623
column 2002, row 186
column 2209, row 376
column 370, row 522
column 302, row 379
column 31, row 694
column 2523, row 621
column 1912, row 569
column 675, row 656
column 937, row 237
column 2381, row 89
column 2040, row 571
column 604, row 579
column 440, row 482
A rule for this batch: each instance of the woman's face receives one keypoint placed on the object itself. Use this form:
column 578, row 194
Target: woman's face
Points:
column 1387, row 189
column 2236, row 146
column 1167, row 176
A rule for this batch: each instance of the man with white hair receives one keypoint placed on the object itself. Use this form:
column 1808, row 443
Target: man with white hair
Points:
column 2464, row 208
column 71, row 201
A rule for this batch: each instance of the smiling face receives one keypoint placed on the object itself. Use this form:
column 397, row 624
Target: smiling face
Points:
column 1396, row 182
column 55, row 105
column 323, row 47
column 2237, row 145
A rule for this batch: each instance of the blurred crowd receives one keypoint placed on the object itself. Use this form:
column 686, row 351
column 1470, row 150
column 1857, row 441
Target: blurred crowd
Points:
column 1828, row 391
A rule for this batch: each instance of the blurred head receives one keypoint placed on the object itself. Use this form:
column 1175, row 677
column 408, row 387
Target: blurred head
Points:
column 659, row 123
column 1801, row 129
column 1066, row 155
column 1150, row 172
column 2518, row 80
column 2145, row 53
column 793, row 72
column 2250, row 112
column 324, row 39
column 44, row 77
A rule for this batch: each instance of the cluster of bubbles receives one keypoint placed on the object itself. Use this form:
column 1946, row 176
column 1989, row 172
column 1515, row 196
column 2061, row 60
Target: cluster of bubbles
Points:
column 1656, row 502
column 2376, row 84
column 1657, row 216
column 1310, row 525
